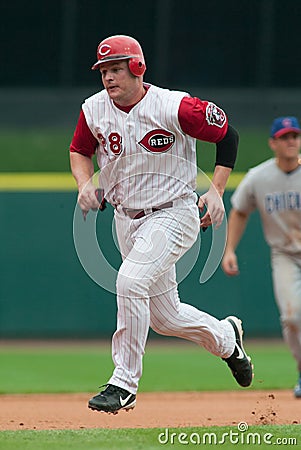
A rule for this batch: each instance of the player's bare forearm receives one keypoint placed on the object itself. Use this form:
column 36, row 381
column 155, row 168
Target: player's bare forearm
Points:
column 237, row 222
column 82, row 168
column 220, row 177
column 236, row 225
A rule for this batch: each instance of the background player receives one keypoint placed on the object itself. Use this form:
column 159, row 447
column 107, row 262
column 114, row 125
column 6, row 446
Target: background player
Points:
column 274, row 188
column 144, row 138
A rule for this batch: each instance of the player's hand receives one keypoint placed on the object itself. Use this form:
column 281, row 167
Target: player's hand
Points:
column 229, row 263
column 213, row 202
column 87, row 199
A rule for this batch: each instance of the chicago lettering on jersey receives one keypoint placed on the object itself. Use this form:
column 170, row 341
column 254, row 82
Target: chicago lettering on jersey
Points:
column 158, row 141
column 279, row 201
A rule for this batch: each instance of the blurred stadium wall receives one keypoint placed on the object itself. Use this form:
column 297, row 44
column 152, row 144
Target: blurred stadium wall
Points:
column 59, row 108
column 240, row 53
column 46, row 293
column 193, row 43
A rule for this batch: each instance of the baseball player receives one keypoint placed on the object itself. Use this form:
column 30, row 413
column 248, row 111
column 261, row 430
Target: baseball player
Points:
column 274, row 188
column 144, row 138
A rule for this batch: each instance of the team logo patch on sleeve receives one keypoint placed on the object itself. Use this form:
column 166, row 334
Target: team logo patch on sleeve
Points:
column 215, row 115
column 158, row 141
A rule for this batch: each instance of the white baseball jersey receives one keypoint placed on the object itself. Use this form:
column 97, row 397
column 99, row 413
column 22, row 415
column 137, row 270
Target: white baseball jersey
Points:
column 137, row 169
column 146, row 160
column 277, row 196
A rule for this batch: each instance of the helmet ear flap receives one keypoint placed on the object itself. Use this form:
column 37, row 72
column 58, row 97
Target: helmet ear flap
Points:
column 137, row 66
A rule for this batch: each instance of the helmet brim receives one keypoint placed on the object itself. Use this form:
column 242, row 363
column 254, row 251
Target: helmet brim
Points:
column 111, row 58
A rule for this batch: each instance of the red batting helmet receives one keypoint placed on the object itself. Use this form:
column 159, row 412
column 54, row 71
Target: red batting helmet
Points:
column 120, row 47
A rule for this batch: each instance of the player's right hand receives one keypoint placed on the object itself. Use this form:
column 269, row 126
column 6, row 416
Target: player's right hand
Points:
column 229, row 263
column 87, row 198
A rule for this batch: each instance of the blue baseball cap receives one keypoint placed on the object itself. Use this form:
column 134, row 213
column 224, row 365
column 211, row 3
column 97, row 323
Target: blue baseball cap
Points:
column 283, row 125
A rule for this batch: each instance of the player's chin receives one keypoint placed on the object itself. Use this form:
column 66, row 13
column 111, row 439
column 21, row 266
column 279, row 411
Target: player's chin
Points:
column 113, row 92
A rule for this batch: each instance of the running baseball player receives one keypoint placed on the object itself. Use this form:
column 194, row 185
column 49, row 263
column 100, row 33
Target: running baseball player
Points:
column 144, row 138
column 274, row 188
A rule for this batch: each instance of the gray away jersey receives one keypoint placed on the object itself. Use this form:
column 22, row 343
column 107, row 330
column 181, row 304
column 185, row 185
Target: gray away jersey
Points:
column 277, row 196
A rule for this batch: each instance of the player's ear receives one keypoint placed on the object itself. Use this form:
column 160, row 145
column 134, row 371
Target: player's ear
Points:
column 271, row 143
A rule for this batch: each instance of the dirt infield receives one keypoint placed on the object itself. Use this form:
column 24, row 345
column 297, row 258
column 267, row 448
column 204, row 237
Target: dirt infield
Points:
column 164, row 410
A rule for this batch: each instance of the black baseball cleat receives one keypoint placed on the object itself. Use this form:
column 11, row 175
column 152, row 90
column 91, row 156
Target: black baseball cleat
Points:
column 239, row 362
column 112, row 399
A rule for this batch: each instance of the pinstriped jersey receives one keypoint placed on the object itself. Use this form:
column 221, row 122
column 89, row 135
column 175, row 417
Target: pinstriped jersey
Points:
column 144, row 156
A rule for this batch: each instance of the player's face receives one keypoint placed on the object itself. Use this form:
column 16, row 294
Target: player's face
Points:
column 286, row 146
column 122, row 86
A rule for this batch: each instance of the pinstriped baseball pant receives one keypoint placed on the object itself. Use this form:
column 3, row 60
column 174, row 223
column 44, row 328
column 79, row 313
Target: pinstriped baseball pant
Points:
column 147, row 294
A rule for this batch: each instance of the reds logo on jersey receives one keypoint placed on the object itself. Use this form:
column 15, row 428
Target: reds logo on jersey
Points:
column 215, row 115
column 158, row 141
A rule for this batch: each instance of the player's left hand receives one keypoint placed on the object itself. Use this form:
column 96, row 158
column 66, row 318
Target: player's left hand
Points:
column 229, row 263
column 215, row 210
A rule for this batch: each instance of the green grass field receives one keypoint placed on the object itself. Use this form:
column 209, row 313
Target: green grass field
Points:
column 46, row 150
column 184, row 367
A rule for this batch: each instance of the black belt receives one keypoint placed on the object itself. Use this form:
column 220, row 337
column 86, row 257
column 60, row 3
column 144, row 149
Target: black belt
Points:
column 138, row 213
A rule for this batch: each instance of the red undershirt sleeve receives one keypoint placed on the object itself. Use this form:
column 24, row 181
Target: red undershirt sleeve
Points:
column 83, row 141
column 202, row 120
